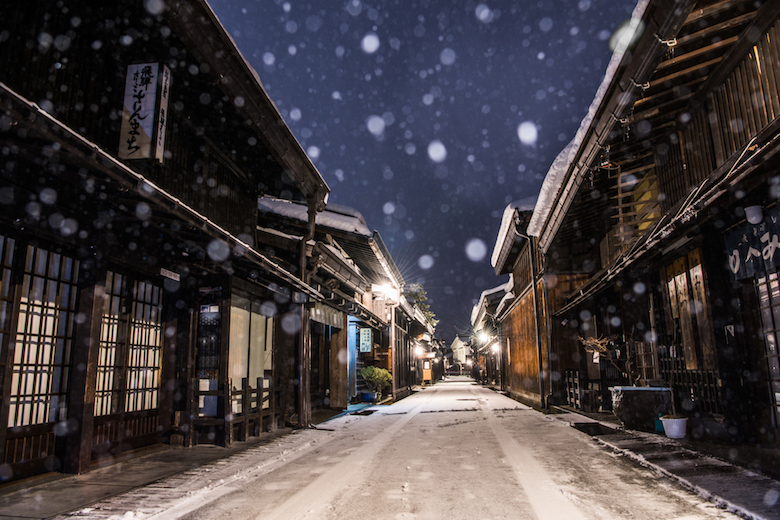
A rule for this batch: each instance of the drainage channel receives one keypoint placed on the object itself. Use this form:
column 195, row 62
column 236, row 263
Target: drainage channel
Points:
column 593, row 428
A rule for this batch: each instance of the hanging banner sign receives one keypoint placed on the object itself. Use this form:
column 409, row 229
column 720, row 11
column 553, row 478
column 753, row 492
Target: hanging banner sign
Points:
column 753, row 248
column 144, row 112
column 162, row 114
column 365, row 339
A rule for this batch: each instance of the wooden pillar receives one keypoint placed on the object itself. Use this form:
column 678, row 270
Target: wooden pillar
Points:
column 81, row 407
column 168, row 382
column 7, row 346
column 227, row 414
column 246, row 409
column 339, row 367
column 193, row 402
column 284, row 358
column 225, row 404
column 304, row 369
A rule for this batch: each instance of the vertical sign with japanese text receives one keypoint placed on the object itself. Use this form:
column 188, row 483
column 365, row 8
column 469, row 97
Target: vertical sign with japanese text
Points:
column 753, row 248
column 135, row 136
column 162, row 114
column 365, row 339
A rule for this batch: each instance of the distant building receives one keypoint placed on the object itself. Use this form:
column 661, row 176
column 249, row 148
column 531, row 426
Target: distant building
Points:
column 459, row 352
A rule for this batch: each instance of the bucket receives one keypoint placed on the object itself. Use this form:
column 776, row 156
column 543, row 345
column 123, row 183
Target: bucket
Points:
column 675, row 428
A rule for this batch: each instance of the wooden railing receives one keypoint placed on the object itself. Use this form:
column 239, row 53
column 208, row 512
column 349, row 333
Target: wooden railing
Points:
column 696, row 389
column 254, row 406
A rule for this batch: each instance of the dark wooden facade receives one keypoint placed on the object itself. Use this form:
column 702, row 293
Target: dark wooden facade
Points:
column 137, row 306
column 685, row 139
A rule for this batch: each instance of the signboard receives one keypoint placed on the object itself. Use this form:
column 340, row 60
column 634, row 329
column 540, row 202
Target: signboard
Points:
column 752, row 248
column 365, row 339
column 162, row 114
column 170, row 274
column 321, row 313
column 427, row 374
column 144, row 112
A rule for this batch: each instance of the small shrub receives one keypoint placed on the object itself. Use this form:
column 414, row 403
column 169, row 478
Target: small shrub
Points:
column 376, row 378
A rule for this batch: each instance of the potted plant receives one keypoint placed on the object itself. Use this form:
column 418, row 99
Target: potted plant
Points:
column 376, row 379
column 674, row 425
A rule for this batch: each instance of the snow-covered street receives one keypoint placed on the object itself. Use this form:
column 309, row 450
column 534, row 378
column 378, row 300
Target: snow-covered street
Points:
column 454, row 450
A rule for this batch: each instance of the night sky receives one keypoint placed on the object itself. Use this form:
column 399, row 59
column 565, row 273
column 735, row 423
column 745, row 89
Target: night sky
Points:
column 429, row 117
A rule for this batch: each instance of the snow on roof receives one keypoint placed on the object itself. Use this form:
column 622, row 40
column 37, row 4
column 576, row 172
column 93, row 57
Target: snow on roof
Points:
column 275, row 232
column 508, row 297
column 526, row 204
column 487, row 293
column 335, row 216
column 563, row 162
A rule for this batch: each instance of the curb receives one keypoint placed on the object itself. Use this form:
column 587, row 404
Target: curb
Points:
column 719, row 501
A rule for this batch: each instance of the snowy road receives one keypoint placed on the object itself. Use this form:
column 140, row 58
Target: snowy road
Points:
column 454, row 451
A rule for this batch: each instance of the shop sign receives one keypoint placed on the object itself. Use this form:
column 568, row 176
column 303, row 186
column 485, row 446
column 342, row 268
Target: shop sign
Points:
column 144, row 112
column 365, row 339
column 753, row 248
column 321, row 313
column 170, row 274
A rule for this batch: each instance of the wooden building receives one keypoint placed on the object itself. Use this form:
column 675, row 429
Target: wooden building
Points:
column 656, row 227
column 520, row 315
column 138, row 304
column 363, row 318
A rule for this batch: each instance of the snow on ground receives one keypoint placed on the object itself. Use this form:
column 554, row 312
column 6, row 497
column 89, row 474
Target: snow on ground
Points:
column 456, row 450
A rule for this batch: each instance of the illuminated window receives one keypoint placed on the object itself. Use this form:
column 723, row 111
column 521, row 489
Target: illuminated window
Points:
column 112, row 337
column 44, row 339
column 145, row 348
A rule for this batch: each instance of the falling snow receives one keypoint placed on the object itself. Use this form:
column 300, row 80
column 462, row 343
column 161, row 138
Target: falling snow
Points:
column 430, row 119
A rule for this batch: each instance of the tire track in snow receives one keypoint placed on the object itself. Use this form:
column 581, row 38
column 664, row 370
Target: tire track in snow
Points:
column 311, row 500
column 548, row 499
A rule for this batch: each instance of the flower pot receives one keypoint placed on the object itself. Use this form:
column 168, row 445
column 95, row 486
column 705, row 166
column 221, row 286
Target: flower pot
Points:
column 675, row 428
column 368, row 397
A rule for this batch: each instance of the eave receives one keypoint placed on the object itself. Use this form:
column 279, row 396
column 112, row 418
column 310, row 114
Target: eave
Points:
column 77, row 150
column 196, row 24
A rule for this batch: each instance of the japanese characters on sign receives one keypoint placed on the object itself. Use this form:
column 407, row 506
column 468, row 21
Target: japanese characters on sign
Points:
column 142, row 134
column 162, row 115
column 365, row 339
column 753, row 248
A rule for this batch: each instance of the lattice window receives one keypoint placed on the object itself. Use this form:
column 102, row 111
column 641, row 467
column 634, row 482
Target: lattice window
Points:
column 112, row 337
column 44, row 339
column 769, row 303
column 637, row 202
column 687, row 310
column 646, row 360
column 144, row 348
